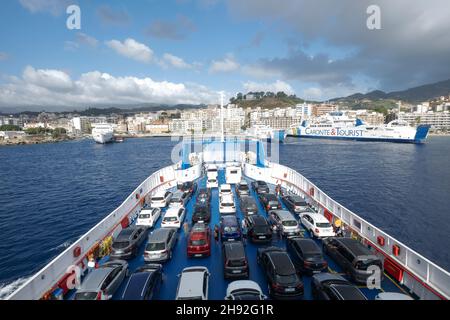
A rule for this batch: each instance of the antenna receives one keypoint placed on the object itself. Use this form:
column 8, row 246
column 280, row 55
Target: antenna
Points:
column 221, row 116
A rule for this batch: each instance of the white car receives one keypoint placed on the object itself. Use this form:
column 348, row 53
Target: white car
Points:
column 225, row 189
column 161, row 199
column 174, row 217
column 193, row 284
column 244, row 290
column 148, row 217
column 317, row 224
column 211, row 171
column 392, row 296
column 212, row 183
column 226, row 204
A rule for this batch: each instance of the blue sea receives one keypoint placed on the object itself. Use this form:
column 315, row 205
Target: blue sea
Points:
column 50, row 194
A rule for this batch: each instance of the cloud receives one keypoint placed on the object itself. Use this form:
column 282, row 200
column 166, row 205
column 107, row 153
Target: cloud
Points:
column 39, row 88
column 54, row 7
column 228, row 64
column 110, row 16
column 276, row 86
column 3, row 56
column 411, row 48
column 132, row 49
column 178, row 29
column 174, row 61
column 81, row 39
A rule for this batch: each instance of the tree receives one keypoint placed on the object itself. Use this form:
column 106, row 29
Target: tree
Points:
column 239, row 96
column 281, row 94
column 9, row 127
column 58, row 132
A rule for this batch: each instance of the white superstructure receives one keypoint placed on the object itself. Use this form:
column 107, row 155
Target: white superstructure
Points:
column 103, row 133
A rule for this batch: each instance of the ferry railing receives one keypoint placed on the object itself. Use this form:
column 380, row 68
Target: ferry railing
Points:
column 50, row 276
column 421, row 276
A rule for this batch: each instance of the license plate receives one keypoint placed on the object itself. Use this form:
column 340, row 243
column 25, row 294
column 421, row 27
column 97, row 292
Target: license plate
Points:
column 231, row 239
column 198, row 255
column 289, row 289
column 236, row 271
column 261, row 237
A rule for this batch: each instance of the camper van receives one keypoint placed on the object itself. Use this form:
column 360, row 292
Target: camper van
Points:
column 233, row 175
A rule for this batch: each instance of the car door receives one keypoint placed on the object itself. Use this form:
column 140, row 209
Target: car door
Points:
column 150, row 287
column 306, row 221
column 111, row 281
column 172, row 239
column 205, row 285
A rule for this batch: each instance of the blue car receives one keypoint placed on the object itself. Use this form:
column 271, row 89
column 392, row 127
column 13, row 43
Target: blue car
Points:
column 230, row 229
column 144, row 283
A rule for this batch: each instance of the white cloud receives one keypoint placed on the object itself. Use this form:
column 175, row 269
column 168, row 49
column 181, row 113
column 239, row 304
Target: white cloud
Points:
column 228, row 64
column 312, row 93
column 39, row 88
column 174, row 61
column 132, row 49
column 54, row 7
column 83, row 38
column 275, row 87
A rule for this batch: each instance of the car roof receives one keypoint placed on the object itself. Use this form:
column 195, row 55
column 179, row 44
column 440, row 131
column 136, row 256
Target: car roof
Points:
column 95, row 279
column 158, row 235
column 348, row 292
column 234, row 250
column 247, row 200
column 393, row 296
column 191, row 282
column 307, row 245
column 355, row 246
column 317, row 217
column 126, row 233
column 257, row 219
column 136, row 283
column 243, row 284
column 225, row 185
column 228, row 220
column 324, row 276
column 160, row 193
column 284, row 214
column 270, row 196
column 282, row 262
column 177, row 194
column 199, row 227
column 227, row 198
column 172, row 211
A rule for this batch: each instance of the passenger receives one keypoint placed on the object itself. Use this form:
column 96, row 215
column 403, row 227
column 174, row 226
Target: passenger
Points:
column 274, row 232
column 216, row 233
column 244, row 228
column 91, row 264
column 186, row 227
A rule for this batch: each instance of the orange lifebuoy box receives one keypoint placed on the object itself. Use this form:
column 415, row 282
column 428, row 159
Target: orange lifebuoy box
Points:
column 77, row 251
column 161, row 179
column 137, row 196
column 327, row 214
column 380, row 241
column 311, row 192
column 285, row 175
column 125, row 222
column 396, row 250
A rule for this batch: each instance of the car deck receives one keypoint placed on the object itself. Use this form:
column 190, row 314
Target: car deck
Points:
column 214, row 263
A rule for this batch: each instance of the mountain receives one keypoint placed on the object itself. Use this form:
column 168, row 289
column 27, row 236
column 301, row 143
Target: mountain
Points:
column 412, row 95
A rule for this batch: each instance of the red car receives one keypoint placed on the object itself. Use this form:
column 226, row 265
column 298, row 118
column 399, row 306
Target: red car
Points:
column 199, row 241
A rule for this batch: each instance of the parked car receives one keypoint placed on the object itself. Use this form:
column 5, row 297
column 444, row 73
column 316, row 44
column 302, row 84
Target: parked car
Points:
column 188, row 187
column 285, row 221
column 317, row 224
column 269, row 201
column 160, row 245
column 148, row 217
column 306, row 255
column 233, row 174
column 212, row 183
column 260, row 187
column 392, row 296
column 103, row 282
column 282, row 278
column 179, row 199
column 353, row 257
column 244, row 290
column 193, row 284
column 258, row 229
column 202, row 212
column 248, row 205
column 204, row 197
column 174, row 217
column 235, row 261
column 295, row 203
column 126, row 245
column 211, row 171
column 144, row 283
column 161, row 199
column 242, row 189
column 328, row 286
column 230, row 230
column 199, row 241
column 226, row 205
column 225, row 189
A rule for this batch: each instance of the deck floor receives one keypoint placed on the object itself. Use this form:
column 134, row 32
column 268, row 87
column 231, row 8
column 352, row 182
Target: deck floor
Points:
column 214, row 263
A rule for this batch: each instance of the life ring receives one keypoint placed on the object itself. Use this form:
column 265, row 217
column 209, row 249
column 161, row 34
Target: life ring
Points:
column 77, row 252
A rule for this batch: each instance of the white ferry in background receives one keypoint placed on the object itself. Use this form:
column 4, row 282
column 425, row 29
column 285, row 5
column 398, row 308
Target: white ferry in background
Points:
column 337, row 125
column 264, row 132
column 103, row 133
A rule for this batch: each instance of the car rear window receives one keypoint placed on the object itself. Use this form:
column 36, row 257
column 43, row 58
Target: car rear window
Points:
column 170, row 219
column 86, row 295
column 230, row 229
column 289, row 223
column 200, row 242
column 158, row 199
column 236, row 263
column 364, row 264
column 155, row 246
column 300, row 203
column 287, row 279
column 144, row 216
column 121, row 244
column 243, row 187
column 323, row 225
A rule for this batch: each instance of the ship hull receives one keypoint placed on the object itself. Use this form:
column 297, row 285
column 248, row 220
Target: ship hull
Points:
column 103, row 138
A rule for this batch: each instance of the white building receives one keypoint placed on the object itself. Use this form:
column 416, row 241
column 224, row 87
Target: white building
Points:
column 437, row 120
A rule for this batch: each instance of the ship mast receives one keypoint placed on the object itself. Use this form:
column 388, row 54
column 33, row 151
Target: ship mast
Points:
column 221, row 116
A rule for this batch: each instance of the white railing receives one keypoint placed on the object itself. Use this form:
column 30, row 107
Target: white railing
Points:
column 52, row 273
column 420, row 275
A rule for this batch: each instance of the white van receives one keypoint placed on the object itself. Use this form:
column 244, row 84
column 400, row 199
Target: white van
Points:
column 148, row 217
column 233, row 175
column 211, row 171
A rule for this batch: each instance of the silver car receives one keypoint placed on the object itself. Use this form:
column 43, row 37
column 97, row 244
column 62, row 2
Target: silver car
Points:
column 102, row 283
column 193, row 284
column 284, row 220
column 160, row 244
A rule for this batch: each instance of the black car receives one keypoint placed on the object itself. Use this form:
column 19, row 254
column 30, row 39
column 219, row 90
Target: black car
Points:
column 327, row 286
column 269, row 201
column 204, row 197
column 144, row 283
column 306, row 255
column 258, row 229
column 248, row 205
column 242, row 189
column 202, row 212
column 260, row 187
column 188, row 187
column 126, row 245
column 282, row 278
column 235, row 261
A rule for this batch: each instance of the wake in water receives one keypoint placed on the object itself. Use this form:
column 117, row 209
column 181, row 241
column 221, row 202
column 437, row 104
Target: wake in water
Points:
column 7, row 289
column 64, row 245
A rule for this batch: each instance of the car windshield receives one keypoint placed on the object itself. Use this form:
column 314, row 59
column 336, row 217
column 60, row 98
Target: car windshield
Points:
column 144, row 216
column 121, row 244
column 300, row 203
column 199, row 242
column 155, row 246
column 176, row 200
column 243, row 187
column 287, row 279
column 227, row 204
column 290, row 223
column 323, row 225
column 261, row 229
column 273, row 203
column 236, row 263
column 230, row 229
column 364, row 264
column 158, row 199
column 86, row 296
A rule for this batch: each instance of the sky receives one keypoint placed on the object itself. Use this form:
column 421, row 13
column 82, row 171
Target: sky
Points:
column 187, row 51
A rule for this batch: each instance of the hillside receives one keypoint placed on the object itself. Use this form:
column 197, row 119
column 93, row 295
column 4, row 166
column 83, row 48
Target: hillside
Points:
column 269, row 102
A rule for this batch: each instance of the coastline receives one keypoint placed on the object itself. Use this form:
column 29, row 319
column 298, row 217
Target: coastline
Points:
column 30, row 140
